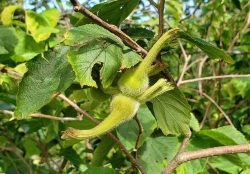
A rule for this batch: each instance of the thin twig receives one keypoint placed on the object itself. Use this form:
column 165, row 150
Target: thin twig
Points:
column 175, row 161
column 152, row 2
column 140, row 131
column 193, row 63
column 215, row 151
column 11, row 72
column 63, row 165
column 110, row 135
column 219, row 108
column 40, row 115
column 186, row 61
column 205, row 115
column 237, row 36
column 161, row 17
column 215, row 77
column 213, row 168
column 208, row 107
column 200, row 73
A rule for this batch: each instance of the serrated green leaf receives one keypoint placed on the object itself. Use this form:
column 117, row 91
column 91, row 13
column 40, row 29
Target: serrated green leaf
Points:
column 154, row 154
column 172, row 112
column 8, row 39
column 194, row 123
column 130, row 58
column 87, row 33
column 128, row 132
column 120, row 11
column 2, row 49
column 222, row 163
column 83, row 60
column 211, row 50
column 226, row 135
column 192, row 167
column 7, row 14
column 42, row 25
column 27, row 48
column 45, row 77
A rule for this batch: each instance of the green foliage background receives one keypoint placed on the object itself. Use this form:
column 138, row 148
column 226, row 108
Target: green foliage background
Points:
column 46, row 48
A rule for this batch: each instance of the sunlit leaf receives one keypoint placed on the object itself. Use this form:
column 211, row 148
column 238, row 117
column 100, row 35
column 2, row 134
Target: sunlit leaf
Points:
column 27, row 48
column 42, row 25
column 7, row 14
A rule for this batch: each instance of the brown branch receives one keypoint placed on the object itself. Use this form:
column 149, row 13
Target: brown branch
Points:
column 161, row 17
column 186, row 61
column 11, row 72
column 200, row 68
column 140, row 131
column 237, row 36
column 205, row 115
column 175, row 161
column 215, row 77
column 39, row 115
column 110, row 135
column 193, row 63
column 214, row 151
column 219, row 108
column 112, row 28
column 63, row 165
